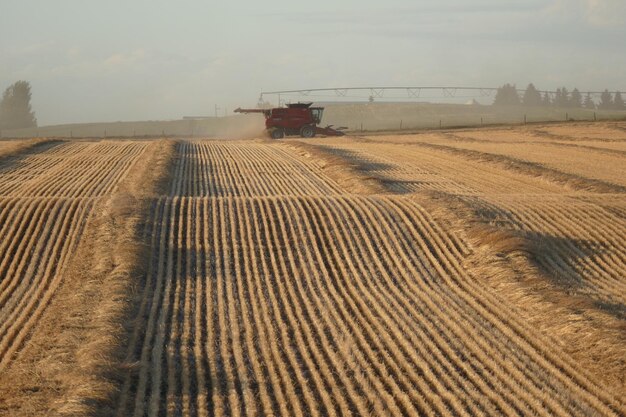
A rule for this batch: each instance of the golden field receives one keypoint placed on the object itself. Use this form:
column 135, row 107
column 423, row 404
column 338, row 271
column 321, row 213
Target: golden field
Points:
column 446, row 273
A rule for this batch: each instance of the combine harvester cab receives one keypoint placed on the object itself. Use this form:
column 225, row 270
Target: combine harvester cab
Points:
column 298, row 119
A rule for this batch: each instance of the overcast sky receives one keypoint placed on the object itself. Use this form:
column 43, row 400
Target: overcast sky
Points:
column 155, row 59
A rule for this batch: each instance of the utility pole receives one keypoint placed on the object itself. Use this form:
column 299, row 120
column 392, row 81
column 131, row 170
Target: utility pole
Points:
column 216, row 109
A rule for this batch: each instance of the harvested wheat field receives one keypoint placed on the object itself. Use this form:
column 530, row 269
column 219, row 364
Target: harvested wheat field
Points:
column 460, row 273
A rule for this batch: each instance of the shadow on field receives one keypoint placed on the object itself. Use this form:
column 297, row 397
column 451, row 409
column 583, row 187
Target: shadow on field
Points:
column 617, row 310
column 396, row 186
column 8, row 162
column 376, row 171
column 560, row 258
column 571, row 266
column 356, row 160
column 567, row 263
column 193, row 290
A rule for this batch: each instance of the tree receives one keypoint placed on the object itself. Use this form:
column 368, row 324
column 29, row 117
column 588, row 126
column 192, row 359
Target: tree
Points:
column 606, row 100
column 558, row 97
column 589, row 104
column 564, row 97
column 546, row 99
column 561, row 98
column 15, row 110
column 576, row 100
column 506, row 96
column 532, row 97
column 618, row 102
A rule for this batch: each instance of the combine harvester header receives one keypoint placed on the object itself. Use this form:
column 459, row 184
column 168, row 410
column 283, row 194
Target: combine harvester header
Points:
column 293, row 120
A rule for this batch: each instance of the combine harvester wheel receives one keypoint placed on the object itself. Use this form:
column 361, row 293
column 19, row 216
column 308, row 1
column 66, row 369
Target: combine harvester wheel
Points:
column 307, row 131
column 277, row 134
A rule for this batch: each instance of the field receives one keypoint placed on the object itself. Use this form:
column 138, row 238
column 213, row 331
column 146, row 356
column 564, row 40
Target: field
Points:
column 475, row 272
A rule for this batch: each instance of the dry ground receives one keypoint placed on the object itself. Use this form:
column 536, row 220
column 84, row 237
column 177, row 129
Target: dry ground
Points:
column 459, row 273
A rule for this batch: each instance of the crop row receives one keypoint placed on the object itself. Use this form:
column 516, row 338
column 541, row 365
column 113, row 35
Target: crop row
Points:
column 46, row 198
column 409, row 169
column 580, row 234
column 331, row 306
column 81, row 169
column 570, row 221
column 39, row 234
column 584, row 250
column 589, row 162
column 216, row 168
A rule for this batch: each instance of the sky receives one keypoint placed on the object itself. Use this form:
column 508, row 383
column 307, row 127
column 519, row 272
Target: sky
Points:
column 123, row 60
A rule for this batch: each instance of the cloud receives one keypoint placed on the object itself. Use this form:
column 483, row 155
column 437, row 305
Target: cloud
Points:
column 29, row 49
column 125, row 60
column 73, row 53
column 606, row 13
column 592, row 13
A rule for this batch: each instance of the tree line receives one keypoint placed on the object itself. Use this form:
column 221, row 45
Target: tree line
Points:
column 15, row 110
column 507, row 95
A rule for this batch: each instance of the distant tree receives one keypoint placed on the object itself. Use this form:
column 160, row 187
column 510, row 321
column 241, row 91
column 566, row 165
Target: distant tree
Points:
column 565, row 96
column 589, row 104
column 532, row 97
column 576, row 100
column 546, row 99
column 558, row 97
column 618, row 102
column 506, row 96
column 561, row 98
column 606, row 100
column 15, row 110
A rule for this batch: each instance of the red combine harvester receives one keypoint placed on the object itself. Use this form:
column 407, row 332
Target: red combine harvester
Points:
column 295, row 119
